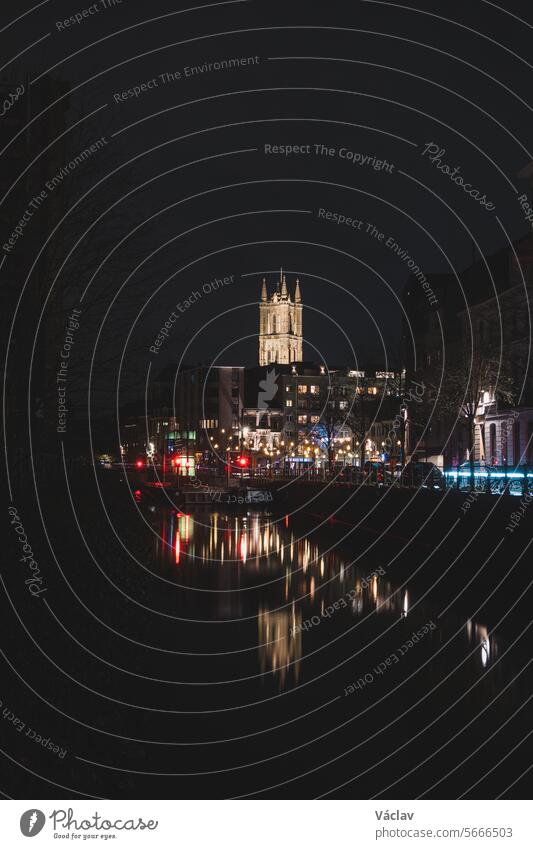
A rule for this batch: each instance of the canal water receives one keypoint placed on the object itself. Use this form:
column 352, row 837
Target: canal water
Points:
column 305, row 662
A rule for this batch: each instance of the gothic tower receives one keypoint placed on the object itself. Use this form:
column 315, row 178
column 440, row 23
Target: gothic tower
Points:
column 280, row 324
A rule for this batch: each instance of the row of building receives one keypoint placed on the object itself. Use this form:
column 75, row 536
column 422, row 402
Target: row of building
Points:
column 474, row 348
column 462, row 392
column 298, row 413
column 283, row 411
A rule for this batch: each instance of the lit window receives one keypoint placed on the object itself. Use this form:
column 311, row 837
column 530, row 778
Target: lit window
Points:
column 288, row 402
column 314, row 390
column 314, row 419
column 302, row 419
column 302, row 388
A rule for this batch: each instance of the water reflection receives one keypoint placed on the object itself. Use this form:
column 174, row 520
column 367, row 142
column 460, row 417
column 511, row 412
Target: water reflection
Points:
column 280, row 643
column 301, row 594
column 478, row 635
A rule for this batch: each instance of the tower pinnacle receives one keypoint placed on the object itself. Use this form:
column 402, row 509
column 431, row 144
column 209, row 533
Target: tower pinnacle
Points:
column 280, row 324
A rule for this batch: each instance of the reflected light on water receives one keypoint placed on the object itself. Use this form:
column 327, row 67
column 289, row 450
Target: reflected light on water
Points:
column 289, row 582
column 479, row 635
column 280, row 643
column 484, row 641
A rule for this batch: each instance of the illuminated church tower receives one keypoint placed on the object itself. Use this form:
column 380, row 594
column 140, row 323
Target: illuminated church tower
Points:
column 280, row 324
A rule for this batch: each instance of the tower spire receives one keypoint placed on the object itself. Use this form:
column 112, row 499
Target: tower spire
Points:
column 280, row 324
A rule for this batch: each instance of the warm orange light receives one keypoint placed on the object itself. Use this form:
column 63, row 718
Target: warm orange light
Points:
column 243, row 548
column 177, row 547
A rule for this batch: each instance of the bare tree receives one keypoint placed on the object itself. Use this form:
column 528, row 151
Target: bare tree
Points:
column 360, row 413
column 326, row 430
column 462, row 389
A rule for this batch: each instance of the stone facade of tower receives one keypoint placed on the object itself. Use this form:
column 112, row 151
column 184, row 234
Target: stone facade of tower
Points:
column 280, row 324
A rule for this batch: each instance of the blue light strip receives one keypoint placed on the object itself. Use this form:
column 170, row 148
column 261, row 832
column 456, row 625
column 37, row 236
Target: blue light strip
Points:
column 483, row 474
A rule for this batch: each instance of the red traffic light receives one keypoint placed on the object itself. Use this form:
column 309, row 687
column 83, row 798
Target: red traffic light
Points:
column 139, row 464
column 242, row 461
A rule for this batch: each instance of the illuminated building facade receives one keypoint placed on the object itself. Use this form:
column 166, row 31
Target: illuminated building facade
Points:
column 280, row 324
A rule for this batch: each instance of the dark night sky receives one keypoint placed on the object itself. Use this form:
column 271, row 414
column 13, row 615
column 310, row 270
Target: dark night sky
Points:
column 215, row 204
